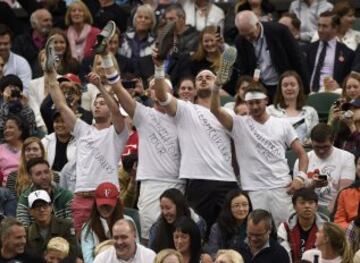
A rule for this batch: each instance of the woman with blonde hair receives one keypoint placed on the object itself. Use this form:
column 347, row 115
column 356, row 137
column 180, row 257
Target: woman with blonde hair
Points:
column 168, row 256
column 19, row 180
column 228, row 256
column 331, row 245
column 80, row 33
column 208, row 53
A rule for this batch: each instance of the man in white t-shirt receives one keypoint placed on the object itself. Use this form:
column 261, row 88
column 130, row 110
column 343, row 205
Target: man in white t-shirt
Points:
column 125, row 248
column 159, row 152
column 206, row 157
column 98, row 146
column 337, row 165
column 260, row 143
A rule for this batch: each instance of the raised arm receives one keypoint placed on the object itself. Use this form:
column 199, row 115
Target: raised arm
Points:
column 223, row 117
column 58, row 98
column 117, row 118
column 125, row 99
column 165, row 99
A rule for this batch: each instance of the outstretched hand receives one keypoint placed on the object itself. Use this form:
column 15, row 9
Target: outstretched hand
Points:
column 94, row 79
column 155, row 58
column 294, row 186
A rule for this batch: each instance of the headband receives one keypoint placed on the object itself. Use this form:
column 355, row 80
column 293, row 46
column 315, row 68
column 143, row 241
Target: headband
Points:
column 254, row 95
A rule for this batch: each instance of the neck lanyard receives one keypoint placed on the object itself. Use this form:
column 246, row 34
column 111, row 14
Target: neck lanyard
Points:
column 259, row 51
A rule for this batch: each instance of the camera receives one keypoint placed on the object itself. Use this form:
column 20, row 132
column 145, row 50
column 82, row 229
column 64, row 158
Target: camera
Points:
column 337, row 104
column 348, row 114
column 322, row 177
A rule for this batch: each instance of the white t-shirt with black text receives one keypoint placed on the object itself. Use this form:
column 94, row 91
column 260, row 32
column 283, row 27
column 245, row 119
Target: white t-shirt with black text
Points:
column 339, row 165
column 260, row 151
column 97, row 155
column 204, row 144
column 159, row 153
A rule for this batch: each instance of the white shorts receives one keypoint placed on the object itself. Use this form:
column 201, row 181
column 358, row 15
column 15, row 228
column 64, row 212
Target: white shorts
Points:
column 149, row 203
column 276, row 201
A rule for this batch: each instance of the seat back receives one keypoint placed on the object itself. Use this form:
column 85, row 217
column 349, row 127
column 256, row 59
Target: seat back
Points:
column 322, row 102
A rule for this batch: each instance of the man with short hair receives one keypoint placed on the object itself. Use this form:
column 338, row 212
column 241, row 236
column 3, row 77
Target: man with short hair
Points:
column 13, row 243
column 298, row 233
column 261, row 248
column 159, row 151
column 41, row 178
column 187, row 37
column 46, row 225
column 14, row 64
column 30, row 43
column 260, row 143
column 206, row 156
column 266, row 50
column 328, row 57
column 335, row 165
column 99, row 146
column 125, row 248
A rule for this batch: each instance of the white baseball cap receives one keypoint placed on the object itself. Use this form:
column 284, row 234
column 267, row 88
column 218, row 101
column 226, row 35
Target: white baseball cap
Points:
column 38, row 195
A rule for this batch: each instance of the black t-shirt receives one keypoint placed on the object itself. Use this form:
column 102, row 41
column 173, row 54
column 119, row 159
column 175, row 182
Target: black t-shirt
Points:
column 60, row 155
column 26, row 257
column 303, row 237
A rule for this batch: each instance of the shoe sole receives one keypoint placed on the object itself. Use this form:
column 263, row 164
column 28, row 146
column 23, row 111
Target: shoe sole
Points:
column 50, row 56
column 104, row 37
column 165, row 40
column 227, row 61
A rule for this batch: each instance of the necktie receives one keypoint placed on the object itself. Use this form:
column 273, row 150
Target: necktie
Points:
column 316, row 80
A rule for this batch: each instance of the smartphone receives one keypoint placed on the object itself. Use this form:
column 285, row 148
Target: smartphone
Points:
column 322, row 177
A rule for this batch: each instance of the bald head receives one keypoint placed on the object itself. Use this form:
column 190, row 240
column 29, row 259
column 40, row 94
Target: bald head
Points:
column 248, row 25
column 41, row 21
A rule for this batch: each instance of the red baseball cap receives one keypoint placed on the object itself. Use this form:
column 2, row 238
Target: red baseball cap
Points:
column 70, row 77
column 106, row 194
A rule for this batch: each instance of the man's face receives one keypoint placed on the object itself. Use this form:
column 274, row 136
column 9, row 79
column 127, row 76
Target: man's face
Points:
column 41, row 176
column 71, row 92
column 172, row 16
column 250, row 32
column 44, row 22
column 325, row 29
column 16, row 240
column 305, row 209
column 258, row 234
column 41, row 212
column 322, row 149
column 124, row 237
column 257, row 107
column 5, row 45
column 60, row 127
column 101, row 111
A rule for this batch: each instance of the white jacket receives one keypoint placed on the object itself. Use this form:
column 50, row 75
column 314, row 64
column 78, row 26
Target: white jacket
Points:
column 49, row 142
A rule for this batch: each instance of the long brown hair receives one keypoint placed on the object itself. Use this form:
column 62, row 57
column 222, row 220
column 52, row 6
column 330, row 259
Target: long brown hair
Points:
column 95, row 223
column 23, row 178
column 279, row 97
column 200, row 53
column 338, row 241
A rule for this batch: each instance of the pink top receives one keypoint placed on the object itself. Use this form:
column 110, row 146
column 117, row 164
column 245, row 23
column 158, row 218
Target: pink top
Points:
column 9, row 162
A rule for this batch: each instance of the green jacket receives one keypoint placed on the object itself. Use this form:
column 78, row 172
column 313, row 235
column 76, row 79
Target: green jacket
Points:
column 61, row 201
column 58, row 228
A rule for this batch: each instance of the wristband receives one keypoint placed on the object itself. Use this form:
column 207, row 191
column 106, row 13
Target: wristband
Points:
column 107, row 61
column 159, row 72
column 113, row 78
column 167, row 101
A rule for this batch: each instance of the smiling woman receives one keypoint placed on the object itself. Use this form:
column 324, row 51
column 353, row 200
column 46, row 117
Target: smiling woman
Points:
column 15, row 131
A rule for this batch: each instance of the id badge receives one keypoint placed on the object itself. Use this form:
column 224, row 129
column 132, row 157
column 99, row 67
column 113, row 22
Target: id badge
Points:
column 256, row 76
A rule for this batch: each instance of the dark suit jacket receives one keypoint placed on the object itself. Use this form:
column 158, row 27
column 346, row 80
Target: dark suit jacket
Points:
column 344, row 57
column 284, row 52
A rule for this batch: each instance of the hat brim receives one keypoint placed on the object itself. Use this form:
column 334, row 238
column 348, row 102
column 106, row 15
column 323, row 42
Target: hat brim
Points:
column 106, row 201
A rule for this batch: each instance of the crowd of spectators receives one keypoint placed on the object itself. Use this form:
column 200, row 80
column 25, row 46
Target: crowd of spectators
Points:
column 210, row 153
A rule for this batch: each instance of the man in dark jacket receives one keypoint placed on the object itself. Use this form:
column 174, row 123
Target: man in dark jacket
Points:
column 261, row 248
column 265, row 51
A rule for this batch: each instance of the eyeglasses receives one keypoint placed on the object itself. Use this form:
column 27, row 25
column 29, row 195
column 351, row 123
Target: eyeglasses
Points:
column 41, row 205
